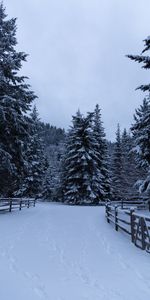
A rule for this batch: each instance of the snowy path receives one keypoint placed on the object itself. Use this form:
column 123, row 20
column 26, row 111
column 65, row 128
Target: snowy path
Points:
column 58, row 252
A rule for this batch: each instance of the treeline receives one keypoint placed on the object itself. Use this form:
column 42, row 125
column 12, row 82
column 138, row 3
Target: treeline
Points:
column 23, row 138
column 78, row 167
column 51, row 134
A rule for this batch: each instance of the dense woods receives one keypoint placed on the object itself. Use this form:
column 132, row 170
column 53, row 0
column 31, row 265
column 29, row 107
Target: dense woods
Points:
column 79, row 166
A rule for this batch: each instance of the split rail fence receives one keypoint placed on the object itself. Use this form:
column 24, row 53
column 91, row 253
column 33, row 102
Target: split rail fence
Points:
column 10, row 204
column 123, row 215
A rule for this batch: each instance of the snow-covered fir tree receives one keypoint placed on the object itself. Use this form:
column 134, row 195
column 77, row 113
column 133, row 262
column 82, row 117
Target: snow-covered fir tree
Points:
column 53, row 140
column 117, row 168
column 144, row 60
column 36, row 161
column 82, row 179
column 102, row 150
column 53, row 174
column 15, row 100
column 126, row 173
column 125, row 152
column 141, row 127
column 132, row 172
column 141, row 134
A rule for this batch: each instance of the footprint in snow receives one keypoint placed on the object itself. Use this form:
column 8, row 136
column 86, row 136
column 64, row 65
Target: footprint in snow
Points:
column 34, row 277
column 27, row 275
column 13, row 264
column 40, row 291
column 83, row 275
column 106, row 246
column 123, row 264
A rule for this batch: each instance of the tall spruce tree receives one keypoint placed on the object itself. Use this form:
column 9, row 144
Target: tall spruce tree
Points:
column 36, row 161
column 125, row 148
column 144, row 60
column 126, row 173
column 15, row 100
column 53, row 173
column 117, row 168
column 102, row 151
column 141, row 133
column 141, row 128
column 82, row 180
column 131, row 170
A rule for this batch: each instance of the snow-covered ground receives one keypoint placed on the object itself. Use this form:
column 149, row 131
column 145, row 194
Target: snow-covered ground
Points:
column 58, row 252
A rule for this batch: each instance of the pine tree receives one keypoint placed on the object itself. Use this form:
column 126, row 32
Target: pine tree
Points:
column 36, row 162
column 141, row 127
column 145, row 60
column 102, row 151
column 82, row 180
column 125, row 149
column 117, row 168
column 52, row 178
column 15, row 100
column 131, row 170
column 141, row 133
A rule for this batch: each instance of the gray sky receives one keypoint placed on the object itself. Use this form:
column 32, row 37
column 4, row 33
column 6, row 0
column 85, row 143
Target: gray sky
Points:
column 77, row 56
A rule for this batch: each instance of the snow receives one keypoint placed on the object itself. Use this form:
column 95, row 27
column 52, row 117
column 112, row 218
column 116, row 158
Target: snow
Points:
column 58, row 252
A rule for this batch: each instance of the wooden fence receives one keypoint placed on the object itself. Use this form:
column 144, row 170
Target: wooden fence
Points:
column 126, row 219
column 10, row 204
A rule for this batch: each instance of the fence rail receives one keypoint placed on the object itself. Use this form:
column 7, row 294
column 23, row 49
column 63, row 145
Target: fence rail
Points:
column 126, row 219
column 137, row 204
column 10, row 204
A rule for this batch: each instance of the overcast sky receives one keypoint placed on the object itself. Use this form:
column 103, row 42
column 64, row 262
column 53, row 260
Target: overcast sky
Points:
column 77, row 56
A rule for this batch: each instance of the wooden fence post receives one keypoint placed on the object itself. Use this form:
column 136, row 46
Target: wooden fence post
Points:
column 107, row 213
column 10, row 206
column 116, row 218
column 20, row 205
column 121, row 204
column 149, row 205
column 143, row 233
column 132, row 224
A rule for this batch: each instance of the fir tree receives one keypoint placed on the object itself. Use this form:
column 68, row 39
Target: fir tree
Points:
column 82, row 180
column 102, row 151
column 131, row 170
column 141, row 127
column 141, row 133
column 52, row 179
column 36, row 162
column 117, row 168
column 15, row 100
column 145, row 60
column 125, row 149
